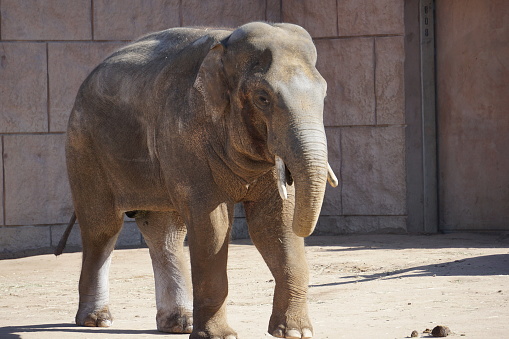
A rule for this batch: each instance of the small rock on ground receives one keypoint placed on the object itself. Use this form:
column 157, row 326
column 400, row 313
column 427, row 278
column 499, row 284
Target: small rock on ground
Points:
column 440, row 331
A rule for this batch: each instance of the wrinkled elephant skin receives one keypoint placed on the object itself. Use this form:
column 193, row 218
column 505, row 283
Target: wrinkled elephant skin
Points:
column 175, row 129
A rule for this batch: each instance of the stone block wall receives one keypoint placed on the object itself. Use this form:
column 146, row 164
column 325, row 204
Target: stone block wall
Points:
column 361, row 55
column 47, row 47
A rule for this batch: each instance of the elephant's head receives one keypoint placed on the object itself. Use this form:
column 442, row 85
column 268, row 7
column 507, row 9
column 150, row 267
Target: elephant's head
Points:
column 263, row 79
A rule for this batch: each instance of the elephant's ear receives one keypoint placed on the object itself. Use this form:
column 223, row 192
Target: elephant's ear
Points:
column 211, row 81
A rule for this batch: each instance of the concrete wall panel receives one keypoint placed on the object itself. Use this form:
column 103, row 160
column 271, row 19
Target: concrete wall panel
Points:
column 69, row 64
column 74, row 239
column 36, row 187
column 130, row 19
column 373, row 171
column 46, row 20
column 318, row 18
column 390, row 91
column 273, row 12
column 473, row 118
column 348, row 67
column 23, row 87
column 332, row 201
column 334, row 225
column 222, row 13
column 23, row 239
column 1, row 181
column 129, row 235
column 370, row 17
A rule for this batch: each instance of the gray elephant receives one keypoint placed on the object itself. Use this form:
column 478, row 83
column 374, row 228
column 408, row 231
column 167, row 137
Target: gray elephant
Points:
column 176, row 128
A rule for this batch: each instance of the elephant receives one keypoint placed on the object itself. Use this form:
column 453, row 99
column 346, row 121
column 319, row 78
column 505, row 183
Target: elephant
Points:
column 173, row 130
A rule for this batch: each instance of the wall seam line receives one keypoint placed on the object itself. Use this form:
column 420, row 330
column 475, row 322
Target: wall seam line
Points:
column 48, row 103
column 181, row 14
column 365, row 215
column 65, row 41
column 341, row 170
column 92, row 20
column 337, row 17
column 34, row 225
column 32, row 133
column 4, row 221
column 357, row 36
column 0, row 20
column 50, row 236
column 365, row 126
column 281, row 18
column 374, row 80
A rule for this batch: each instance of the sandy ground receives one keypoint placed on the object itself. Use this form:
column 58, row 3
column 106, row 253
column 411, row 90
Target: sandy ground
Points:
column 362, row 286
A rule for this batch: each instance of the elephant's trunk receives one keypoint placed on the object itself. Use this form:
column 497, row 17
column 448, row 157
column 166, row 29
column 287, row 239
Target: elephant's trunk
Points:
column 307, row 163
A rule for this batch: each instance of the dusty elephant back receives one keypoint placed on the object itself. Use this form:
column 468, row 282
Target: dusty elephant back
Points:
column 124, row 104
column 138, row 87
column 134, row 75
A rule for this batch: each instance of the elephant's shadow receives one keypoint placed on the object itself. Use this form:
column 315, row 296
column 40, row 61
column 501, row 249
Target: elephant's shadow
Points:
column 14, row 332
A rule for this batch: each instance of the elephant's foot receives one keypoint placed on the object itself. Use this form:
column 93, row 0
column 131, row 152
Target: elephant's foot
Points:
column 175, row 322
column 216, row 333
column 290, row 327
column 206, row 335
column 94, row 317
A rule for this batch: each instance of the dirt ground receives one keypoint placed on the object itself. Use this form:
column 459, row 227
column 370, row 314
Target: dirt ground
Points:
column 361, row 286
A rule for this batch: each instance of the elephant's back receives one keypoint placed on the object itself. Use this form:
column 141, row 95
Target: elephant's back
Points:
column 124, row 97
column 134, row 73
column 161, row 47
column 173, row 40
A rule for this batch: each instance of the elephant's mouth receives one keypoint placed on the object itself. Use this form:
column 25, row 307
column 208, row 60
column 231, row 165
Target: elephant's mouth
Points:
column 289, row 178
column 284, row 176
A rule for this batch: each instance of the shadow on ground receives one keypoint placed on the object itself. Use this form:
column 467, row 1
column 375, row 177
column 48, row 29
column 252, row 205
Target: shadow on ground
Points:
column 497, row 264
column 9, row 332
column 355, row 242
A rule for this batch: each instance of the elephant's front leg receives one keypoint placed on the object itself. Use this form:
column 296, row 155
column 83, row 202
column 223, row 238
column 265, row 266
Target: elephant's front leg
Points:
column 208, row 244
column 270, row 227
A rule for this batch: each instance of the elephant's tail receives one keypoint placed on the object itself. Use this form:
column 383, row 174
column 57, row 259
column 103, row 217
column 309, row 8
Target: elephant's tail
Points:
column 65, row 236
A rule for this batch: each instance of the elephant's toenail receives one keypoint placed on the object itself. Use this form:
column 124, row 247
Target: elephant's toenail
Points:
column 104, row 323
column 307, row 333
column 293, row 334
column 278, row 333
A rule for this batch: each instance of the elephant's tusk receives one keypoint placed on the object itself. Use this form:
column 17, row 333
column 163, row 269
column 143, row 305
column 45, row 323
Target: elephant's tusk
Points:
column 331, row 177
column 281, row 178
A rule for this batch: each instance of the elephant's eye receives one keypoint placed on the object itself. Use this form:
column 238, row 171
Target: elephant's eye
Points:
column 261, row 99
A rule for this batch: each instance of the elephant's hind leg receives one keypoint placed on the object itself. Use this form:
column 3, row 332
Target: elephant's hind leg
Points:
column 99, row 233
column 164, row 233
